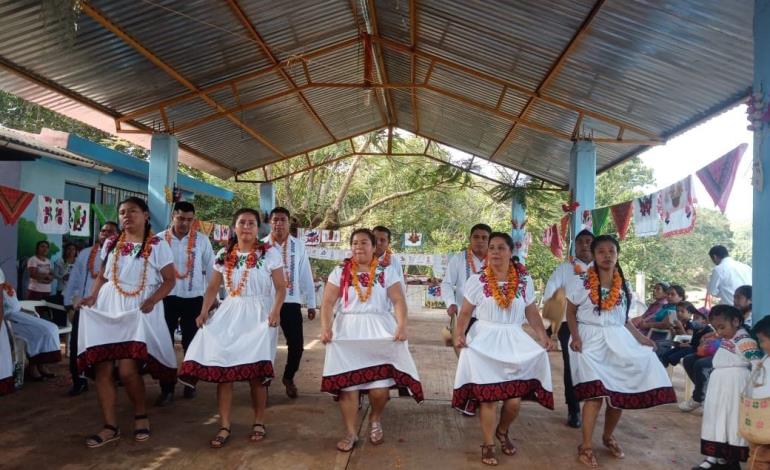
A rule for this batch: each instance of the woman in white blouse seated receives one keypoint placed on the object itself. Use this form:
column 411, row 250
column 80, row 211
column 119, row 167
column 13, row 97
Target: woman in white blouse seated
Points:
column 366, row 347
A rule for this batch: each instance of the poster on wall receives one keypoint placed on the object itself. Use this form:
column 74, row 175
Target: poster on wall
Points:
column 311, row 236
column 677, row 208
column 52, row 215
column 412, row 239
column 80, row 219
column 330, row 236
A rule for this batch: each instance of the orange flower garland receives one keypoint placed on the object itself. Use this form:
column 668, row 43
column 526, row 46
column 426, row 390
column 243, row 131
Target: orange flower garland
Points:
column 354, row 274
column 386, row 258
column 91, row 259
column 191, row 238
column 8, row 289
column 504, row 301
column 230, row 262
column 612, row 299
column 576, row 267
column 470, row 261
column 115, row 268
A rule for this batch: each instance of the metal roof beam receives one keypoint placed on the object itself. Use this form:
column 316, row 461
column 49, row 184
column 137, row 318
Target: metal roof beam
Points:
column 413, row 35
column 551, row 74
column 252, row 30
column 100, row 18
column 372, row 10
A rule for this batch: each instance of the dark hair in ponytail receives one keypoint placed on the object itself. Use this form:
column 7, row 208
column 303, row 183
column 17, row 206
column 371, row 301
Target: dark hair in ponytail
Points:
column 233, row 240
column 730, row 313
column 623, row 284
column 142, row 205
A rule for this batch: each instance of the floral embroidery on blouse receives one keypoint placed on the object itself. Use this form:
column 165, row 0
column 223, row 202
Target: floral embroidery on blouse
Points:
column 241, row 261
column 379, row 274
column 743, row 344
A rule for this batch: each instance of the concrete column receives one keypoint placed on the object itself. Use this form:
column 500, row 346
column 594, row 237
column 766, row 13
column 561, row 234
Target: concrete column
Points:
column 518, row 226
column 761, row 223
column 164, row 151
column 266, row 204
column 582, row 181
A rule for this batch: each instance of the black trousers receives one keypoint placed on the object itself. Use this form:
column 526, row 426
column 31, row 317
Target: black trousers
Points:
column 573, row 405
column 698, row 369
column 180, row 311
column 73, row 359
column 291, row 325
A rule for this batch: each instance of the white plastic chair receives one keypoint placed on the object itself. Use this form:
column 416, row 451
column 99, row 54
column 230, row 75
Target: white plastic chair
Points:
column 30, row 307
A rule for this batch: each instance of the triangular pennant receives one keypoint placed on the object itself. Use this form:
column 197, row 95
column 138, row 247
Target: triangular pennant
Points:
column 600, row 218
column 621, row 215
column 718, row 176
column 105, row 213
column 205, row 227
column 12, row 203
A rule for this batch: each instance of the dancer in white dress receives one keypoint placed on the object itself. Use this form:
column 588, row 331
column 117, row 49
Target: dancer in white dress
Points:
column 122, row 320
column 608, row 356
column 721, row 441
column 366, row 347
column 6, row 358
column 238, row 341
column 498, row 360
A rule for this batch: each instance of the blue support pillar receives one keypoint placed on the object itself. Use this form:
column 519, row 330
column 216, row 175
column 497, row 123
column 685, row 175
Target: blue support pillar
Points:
column 761, row 223
column 164, row 153
column 518, row 226
column 266, row 204
column 582, row 180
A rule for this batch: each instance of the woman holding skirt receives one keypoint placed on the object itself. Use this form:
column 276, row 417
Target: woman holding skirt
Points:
column 498, row 360
column 366, row 347
column 122, row 320
column 611, row 361
column 238, row 341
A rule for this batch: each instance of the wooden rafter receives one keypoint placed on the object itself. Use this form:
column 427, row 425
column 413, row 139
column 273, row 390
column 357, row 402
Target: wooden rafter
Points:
column 551, row 75
column 252, row 30
column 100, row 18
column 413, row 36
column 372, row 9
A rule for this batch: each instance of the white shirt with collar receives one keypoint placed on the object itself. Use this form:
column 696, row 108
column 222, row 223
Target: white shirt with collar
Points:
column 396, row 263
column 301, row 288
column 195, row 283
column 727, row 276
column 563, row 276
column 457, row 273
column 81, row 282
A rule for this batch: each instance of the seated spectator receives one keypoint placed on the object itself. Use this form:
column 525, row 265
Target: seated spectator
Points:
column 659, row 299
column 742, row 301
column 662, row 325
column 41, row 336
column 40, row 273
column 698, row 366
column 694, row 323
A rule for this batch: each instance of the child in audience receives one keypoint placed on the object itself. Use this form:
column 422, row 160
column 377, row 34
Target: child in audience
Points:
column 721, row 442
column 759, row 458
column 693, row 323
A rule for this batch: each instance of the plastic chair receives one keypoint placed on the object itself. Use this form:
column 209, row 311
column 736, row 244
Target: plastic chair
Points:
column 31, row 306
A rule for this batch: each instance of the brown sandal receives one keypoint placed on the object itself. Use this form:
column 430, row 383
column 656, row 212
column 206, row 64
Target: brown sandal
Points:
column 586, row 457
column 347, row 444
column 488, row 454
column 615, row 449
column 220, row 440
column 506, row 445
column 257, row 434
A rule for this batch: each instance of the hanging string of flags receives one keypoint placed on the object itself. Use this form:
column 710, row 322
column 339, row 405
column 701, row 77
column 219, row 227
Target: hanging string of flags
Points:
column 667, row 212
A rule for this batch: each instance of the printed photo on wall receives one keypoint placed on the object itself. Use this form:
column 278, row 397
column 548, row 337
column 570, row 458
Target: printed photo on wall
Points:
column 311, row 236
column 330, row 236
column 412, row 239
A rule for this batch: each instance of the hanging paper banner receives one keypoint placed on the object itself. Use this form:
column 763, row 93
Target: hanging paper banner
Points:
column 412, row 240
column 564, row 228
column 224, row 233
column 105, row 213
column 718, row 176
column 587, row 222
column 52, row 215
column 12, row 203
column 311, row 236
column 80, row 219
column 677, row 208
column 600, row 217
column 552, row 239
column 621, row 215
column 205, row 227
column 330, row 236
column 646, row 216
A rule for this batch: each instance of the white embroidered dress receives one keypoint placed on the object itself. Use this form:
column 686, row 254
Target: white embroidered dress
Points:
column 236, row 343
column 501, row 361
column 612, row 363
column 115, row 327
column 363, row 354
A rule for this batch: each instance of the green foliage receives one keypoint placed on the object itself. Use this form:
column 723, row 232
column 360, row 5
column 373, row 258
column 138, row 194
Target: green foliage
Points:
column 28, row 238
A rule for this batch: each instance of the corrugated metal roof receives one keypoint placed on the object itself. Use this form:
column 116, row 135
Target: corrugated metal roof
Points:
column 642, row 69
column 33, row 145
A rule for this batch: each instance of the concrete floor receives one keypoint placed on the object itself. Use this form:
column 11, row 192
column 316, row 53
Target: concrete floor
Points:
column 41, row 428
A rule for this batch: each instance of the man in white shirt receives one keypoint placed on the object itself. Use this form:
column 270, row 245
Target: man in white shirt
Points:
column 86, row 269
column 299, row 287
column 382, row 236
column 463, row 265
column 193, row 262
column 561, row 277
column 727, row 275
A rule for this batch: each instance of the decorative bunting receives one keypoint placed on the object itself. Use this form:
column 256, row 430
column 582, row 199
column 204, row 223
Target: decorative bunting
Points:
column 677, row 209
column 52, row 215
column 564, row 227
column 80, row 219
column 412, row 240
column 646, row 216
column 12, row 203
column 587, row 222
column 552, row 239
column 205, row 227
column 621, row 215
column 600, row 217
column 311, row 236
column 718, row 176
column 105, row 213
column 330, row 236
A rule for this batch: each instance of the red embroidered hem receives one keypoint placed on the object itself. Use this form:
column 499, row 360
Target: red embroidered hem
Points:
column 193, row 371
column 334, row 384
column 7, row 385
column 126, row 350
column 723, row 450
column 467, row 398
column 625, row 401
column 50, row 357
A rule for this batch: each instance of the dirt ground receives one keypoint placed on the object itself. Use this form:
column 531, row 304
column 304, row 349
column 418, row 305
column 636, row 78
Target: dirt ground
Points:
column 42, row 428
